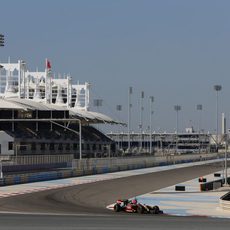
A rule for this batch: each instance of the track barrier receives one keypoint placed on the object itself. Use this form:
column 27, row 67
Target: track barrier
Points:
column 99, row 166
column 179, row 188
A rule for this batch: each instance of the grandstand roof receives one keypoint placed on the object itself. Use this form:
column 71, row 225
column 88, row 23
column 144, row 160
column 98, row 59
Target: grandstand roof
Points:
column 4, row 104
column 27, row 104
column 92, row 117
column 34, row 105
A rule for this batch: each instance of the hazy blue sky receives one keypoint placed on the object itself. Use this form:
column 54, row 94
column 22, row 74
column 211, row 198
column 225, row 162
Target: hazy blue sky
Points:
column 172, row 50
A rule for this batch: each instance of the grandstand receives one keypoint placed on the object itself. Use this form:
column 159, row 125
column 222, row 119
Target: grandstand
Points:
column 44, row 115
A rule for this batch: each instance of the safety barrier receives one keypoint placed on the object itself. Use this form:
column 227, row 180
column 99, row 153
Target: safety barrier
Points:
column 35, row 177
column 99, row 166
column 33, row 167
column 179, row 188
column 225, row 202
column 37, row 159
column 211, row 185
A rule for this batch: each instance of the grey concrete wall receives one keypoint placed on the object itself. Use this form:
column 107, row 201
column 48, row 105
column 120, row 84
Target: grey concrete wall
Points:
column 100, row 165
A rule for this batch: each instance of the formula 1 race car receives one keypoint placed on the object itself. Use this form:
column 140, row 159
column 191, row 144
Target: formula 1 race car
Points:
column 134, row 207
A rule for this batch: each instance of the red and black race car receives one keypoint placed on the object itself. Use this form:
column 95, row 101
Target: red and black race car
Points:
column 134, row 207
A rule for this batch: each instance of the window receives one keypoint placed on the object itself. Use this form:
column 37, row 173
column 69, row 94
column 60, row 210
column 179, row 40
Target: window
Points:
column 75, row 146
column 87, row 147
column 43, row 146
column 51, row 146
column 10, row 145
column 67, row 146
column 33, row 146
column 60, row 146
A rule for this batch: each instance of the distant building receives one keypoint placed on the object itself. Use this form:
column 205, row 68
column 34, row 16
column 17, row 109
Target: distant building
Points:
column 188, row 142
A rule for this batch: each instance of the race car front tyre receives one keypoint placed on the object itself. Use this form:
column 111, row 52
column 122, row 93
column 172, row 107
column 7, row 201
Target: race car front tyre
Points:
column 117, row 208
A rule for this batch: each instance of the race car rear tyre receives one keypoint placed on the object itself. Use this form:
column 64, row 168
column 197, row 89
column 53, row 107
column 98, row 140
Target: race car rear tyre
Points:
column 117, row 208
column 140, row 209
column 156, row 210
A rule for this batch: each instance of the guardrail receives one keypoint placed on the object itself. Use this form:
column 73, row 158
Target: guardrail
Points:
column 225, row 202
column 127, row 163
column 36, row 159
column 28, row 168
column 35, row 162
column 98, row 166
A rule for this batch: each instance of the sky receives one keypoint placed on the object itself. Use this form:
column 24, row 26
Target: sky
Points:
column 174, row 50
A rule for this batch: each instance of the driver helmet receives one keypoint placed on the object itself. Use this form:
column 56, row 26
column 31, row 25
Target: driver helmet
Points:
column 134, row 201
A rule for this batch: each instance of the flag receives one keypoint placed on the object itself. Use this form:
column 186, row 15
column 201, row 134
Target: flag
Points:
column 48, row 65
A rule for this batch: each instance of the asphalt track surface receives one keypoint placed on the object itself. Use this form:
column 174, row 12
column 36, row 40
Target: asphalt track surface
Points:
column 83, row 206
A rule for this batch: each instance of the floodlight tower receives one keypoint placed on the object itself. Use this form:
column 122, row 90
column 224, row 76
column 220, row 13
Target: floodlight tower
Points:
column 199, row 107
column 217, row 88
column 150, row 131
column 129, row 115
column 177, row 108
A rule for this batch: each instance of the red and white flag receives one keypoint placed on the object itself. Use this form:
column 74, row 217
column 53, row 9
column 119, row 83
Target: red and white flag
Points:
column 48, row 65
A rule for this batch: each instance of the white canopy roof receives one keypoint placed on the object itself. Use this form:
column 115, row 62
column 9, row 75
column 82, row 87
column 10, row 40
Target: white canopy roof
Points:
column 27, row 104
column 35, row 105
column 4, row 104
column 92, row 117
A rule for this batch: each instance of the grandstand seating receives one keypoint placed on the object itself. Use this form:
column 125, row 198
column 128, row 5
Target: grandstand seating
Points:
column 57, row 140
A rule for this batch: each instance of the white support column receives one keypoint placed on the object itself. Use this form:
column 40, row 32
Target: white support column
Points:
column 47, row 87
column 19, row 78
column 77, row 97
column 48, row 83
column 69, row 91
column 24, row 83
column 7, row 80
column 27, row 87
column 77, row 102
column 87, row 88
